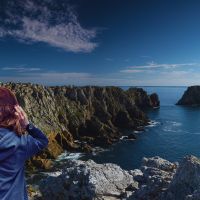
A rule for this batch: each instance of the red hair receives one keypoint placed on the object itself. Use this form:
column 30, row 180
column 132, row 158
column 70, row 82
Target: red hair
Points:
column 8, row 119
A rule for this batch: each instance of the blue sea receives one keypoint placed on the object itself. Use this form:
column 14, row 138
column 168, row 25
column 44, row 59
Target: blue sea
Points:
column 174, row 133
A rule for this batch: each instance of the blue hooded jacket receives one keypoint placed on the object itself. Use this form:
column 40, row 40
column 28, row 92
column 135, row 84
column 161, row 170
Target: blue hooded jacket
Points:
column 14, row 151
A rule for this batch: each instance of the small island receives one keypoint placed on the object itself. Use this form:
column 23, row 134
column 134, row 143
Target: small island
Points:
column 191, row 97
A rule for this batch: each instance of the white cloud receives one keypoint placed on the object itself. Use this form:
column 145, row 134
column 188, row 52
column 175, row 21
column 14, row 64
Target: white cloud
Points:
column 20, row 69
column 132, row 70
column 170, row 78
column 52, row 78
column 152, row 65
column 61, row 30
column 63, row 75
column 109, row 59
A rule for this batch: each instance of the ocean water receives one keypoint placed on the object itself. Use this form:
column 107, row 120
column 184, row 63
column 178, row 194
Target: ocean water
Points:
column 174, row 133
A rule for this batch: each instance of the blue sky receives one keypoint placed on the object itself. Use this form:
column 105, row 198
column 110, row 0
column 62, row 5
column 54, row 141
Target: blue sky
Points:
column 100, row 42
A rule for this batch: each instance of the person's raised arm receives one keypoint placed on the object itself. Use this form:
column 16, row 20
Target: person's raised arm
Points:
column 35, row 140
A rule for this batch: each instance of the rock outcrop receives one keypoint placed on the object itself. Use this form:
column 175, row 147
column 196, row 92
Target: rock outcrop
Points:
column 157, row 179
column 141, row 99
column 191, row 97
column 186, row 181
column 87, row 180
column 79, row 118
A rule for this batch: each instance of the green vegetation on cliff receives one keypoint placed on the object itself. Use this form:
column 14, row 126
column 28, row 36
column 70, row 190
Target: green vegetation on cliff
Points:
column 92, row 115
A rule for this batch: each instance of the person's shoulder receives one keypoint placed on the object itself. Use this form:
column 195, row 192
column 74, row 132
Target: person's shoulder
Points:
column 9, row 137
column 5, row 132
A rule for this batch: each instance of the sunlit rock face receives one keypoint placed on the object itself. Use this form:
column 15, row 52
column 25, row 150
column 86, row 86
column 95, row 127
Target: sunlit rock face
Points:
column 92, row 181
column 91, row 115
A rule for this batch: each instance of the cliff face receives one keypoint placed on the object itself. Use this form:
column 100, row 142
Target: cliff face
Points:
column 79, row 118
column 141, row 99
column 191, row 96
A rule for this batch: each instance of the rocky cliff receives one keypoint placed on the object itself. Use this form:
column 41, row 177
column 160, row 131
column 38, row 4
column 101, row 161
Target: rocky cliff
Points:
column 79, row 118
column 191, row 97
column 157, row 179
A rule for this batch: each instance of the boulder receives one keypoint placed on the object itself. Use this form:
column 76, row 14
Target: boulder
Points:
column 154, row 177
column 157, row 179
column 186, row 181
column 88, row 180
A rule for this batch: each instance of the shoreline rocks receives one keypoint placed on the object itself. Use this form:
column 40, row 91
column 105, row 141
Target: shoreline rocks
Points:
column 157, row 179
column 93, row 115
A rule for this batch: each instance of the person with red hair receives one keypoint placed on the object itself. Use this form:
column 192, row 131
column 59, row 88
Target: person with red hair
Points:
column 20, row 139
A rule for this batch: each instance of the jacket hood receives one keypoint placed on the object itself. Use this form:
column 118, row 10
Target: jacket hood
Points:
column 8, row 143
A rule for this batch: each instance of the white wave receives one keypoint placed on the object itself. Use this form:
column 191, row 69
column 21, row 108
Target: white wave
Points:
column 195, row 133
column 67, row 155
column 123, row 137
column 137, row 131
column 153, row 123
column 177, row 124
column 97, row 150
column 55, row 174
column 174, row 123
column 171, row 130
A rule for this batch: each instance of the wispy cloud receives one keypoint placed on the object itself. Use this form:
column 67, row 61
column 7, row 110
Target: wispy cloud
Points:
column 109, row 59
column 167, row 78
column 127, row 60
column 64, row 75
column 49, row 77
column 132, row 70
column 147, row 57
column 20, row 69
column 153, row 65
column 31, row 21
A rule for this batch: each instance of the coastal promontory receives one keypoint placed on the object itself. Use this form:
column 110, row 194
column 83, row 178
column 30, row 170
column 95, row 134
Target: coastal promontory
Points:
column 80, row 118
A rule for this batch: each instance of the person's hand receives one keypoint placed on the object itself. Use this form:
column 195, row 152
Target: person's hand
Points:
column 22, row 116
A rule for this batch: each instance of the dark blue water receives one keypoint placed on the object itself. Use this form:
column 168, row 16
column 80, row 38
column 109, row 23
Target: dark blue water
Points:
column 176, row 133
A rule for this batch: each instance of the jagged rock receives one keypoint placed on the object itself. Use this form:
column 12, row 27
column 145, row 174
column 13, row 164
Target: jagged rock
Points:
column 191, row 97
column 154, row 178
column 67, row 113
column 123, row 120
column 42, row 163
column 33, row 193
column 88, row 180
column 186, row 180
column 157, row 179
column 154, row 100
column 137, row 175
column 53, row 149
column 141, row 99
column 160, row 163
column 65, row 139
column 194, row 196
column 86, row 148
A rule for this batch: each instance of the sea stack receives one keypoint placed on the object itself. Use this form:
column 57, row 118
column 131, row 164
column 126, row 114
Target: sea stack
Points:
column 191, row 97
